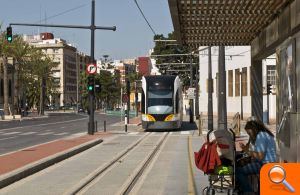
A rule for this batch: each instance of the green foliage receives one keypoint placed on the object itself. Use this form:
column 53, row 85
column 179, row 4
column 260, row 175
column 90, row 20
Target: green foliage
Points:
column 31, row 66
column 164, row 47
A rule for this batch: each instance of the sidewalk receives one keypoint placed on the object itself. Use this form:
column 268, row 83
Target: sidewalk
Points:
column 22, row 163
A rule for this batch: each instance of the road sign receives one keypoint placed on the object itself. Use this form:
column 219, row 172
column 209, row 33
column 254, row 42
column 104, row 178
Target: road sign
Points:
column 125, row 98
column 91, row 69
column 191, row 93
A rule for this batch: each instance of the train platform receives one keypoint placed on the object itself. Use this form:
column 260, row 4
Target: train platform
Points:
column 19, row 164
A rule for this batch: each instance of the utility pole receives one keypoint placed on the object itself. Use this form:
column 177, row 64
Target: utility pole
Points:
column 92, row 28
column 91, row 124
column 136, row 99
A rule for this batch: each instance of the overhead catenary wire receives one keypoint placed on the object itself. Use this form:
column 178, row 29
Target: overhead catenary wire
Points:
column 61, row 13
column 135, row 1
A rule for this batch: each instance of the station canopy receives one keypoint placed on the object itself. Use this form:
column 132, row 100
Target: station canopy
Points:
column 222, row 22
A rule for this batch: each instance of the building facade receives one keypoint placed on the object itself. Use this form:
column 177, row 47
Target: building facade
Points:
column 238, row 85
column 65, row 74
column 144, row 66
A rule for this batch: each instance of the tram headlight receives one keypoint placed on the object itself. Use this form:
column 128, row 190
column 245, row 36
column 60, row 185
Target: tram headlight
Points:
column 147, row 117
column 171, row 117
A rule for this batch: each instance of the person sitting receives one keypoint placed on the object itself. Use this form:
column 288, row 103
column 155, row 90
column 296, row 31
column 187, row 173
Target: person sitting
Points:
column 264, row 151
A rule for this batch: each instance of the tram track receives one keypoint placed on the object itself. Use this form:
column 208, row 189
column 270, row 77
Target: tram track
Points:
column 88, row 182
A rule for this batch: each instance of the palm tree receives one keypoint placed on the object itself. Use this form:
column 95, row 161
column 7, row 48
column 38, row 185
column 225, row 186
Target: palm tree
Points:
column 40, row 78
column 21, row 52
column 4, row 51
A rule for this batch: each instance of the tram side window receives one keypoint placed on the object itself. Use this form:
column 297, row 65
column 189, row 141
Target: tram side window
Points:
column 143, row 102
column 177, row 102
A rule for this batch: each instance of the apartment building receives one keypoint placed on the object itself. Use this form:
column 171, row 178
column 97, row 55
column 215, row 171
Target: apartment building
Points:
column 65, row 74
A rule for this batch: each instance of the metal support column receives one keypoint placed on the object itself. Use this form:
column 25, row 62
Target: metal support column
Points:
column 191, row 100
column 197, row 93
column 210, row 120
column 241, row 91
column 222, row 108
column 257, row 94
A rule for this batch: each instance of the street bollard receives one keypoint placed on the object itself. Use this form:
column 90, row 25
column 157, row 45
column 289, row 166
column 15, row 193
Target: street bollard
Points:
column 96, row 126
column 104, row 126
column 126, row 118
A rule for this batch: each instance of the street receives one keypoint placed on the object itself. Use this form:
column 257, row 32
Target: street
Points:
column 15, row 135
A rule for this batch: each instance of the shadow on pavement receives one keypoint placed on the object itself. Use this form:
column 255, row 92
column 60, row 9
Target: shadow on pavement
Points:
column 187, row 126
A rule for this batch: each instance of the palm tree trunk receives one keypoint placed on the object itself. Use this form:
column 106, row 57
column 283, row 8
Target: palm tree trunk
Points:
column 5, row 86
column 16, row 90
column 42, row 96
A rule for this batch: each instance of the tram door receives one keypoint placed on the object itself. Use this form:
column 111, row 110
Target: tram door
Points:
column 288, row 100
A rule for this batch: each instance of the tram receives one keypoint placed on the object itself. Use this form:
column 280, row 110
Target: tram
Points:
column 162, row 103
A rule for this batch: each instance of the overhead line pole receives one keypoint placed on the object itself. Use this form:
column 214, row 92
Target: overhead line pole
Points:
column 92, row 27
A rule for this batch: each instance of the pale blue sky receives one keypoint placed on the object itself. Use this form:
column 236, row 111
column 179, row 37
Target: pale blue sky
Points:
column 133, row 37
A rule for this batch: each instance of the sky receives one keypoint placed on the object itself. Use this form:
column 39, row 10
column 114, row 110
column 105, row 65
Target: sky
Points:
column 132, row 38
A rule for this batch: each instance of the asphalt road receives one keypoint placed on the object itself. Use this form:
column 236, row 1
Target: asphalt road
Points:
column 15, row 135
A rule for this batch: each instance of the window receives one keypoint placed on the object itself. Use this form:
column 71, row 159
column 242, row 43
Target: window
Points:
column 143, row 102
column 230, row 83
column 244, row 82
column 177, row 102
column 271, row 74
column 237, row 82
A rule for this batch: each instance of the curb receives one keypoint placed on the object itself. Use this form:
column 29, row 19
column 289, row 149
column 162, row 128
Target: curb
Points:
column 37, row 166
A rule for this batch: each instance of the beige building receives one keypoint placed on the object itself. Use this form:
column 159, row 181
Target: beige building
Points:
column 65, row 74
column 82, row 60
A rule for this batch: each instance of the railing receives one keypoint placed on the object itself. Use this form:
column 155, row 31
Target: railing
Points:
column 119, row 113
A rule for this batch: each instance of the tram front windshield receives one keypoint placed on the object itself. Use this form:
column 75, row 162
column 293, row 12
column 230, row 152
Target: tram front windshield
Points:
column 160, row 98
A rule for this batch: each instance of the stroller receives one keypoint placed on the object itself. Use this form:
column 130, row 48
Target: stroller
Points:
column 220, row 169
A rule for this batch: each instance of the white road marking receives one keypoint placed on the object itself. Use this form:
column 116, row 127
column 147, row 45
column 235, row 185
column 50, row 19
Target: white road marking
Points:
column 45, row 124
column 133, row 133
column 11, row 133
column 184, row 132
column 60, row 134
column 29, row 133
column 8, row 138
column 47, row 133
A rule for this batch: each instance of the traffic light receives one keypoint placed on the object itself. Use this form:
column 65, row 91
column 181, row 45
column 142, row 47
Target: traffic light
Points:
column 9, row 36
column 91, row 84
column 269, row 88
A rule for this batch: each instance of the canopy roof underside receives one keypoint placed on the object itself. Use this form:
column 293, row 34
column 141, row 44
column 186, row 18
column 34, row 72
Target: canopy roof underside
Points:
column 222, row 22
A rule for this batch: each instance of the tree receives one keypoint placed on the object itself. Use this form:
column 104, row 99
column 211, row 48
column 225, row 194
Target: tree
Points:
column 40, row 80
column 4, row 52
column 21, row 52
column 162, row 47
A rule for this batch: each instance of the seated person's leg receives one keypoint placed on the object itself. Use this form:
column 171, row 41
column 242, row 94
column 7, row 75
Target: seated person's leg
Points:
column 242, row 175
